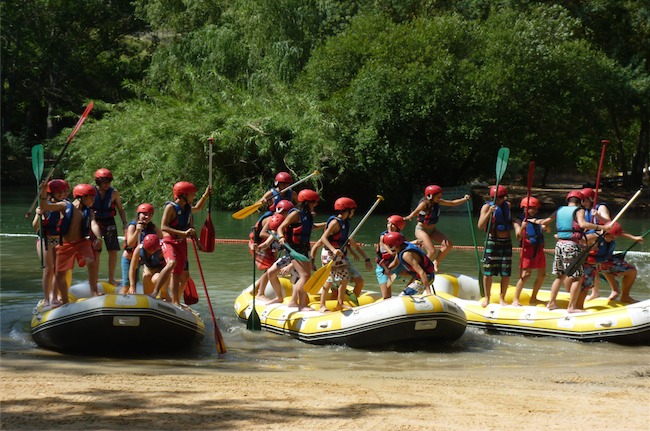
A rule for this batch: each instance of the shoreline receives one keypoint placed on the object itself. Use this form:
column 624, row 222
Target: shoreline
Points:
column 53, row 394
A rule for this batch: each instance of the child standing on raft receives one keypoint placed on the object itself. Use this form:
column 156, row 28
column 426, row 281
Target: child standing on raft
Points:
column 428, row 214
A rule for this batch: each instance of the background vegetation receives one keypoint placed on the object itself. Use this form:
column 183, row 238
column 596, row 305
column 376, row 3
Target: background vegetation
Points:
column 382, row 96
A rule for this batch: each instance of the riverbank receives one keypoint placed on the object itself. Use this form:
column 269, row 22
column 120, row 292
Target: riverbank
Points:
column 56, row 395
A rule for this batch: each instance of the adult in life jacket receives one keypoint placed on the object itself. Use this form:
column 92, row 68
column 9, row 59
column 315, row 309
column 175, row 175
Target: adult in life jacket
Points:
column 264, row 247
column 428, row 215
column 571, row 226
column 148, row 253
column 108, row 202
column 497, row 257
column 46, row 224
column 75, row 227
column 602, row 260
column 296, row 230
column 529, row 230
column 279, row 192
column 135, row 233
column 415, row 262
column 335, row 241
column 385, row 256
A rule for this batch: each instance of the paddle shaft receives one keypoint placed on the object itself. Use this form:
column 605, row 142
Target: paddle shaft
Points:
column 65, row 147
column 600, row 169
column 297, row 183
column 363, row 220
column 478, row 259
column 38, row 164
column 218, row 338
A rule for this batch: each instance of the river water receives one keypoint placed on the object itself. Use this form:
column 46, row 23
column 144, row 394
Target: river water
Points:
column 229, row 269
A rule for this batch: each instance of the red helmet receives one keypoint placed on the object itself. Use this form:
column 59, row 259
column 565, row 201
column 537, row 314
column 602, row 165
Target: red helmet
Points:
column 56, row 186
column 394, row 239
column 431, row 191
column 275, row 221
column 283, row 177
column 151, row 243
column 283, row 205
column 103, row 173
column 503, row 191
column 342, row 204
column 588, row 193
column 616, row 229
column 398, row 221
column 145, row 208
column 308, row 195
column 534, row 202
column 575, row 194
column 81, row 190
column 183, row 188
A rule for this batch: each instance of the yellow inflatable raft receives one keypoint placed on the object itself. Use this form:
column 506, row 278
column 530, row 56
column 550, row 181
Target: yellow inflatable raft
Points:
column 115, row 324
column 372, row 322
column 602, row 320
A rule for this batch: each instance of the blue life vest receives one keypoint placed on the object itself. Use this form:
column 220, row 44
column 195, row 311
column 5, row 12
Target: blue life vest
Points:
column 286, row 194
column 153, row 261
column 566, row 224
column 427, row 265
column 605, row 249
column 256, row 230
column 149, row 228
column 534, row 233
column 300, row 233
column 64, row 224
column 50, row 223
column 501, row 218
column 183, row 216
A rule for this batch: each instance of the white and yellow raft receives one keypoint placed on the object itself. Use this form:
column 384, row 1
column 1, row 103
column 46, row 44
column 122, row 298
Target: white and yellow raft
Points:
column 115, row 324
column 602, row 320
column 425, row 319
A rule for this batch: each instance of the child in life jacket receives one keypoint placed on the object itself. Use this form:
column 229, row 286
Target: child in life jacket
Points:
column 47, row 227
column 264, row 246
column 428, row 215
column 497, row 257
column 278, row 192
column 107, row 204
column 602, row 260
column 530, row 232
column 136, row 231
column 335, row 240
column 385, row 256
column 77, row 224
column 415, row 262
column 149, row 254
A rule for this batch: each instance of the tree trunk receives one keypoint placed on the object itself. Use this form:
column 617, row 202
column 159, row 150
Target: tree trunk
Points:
column 640, row 160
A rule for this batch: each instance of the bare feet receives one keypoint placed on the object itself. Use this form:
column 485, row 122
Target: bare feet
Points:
column 502, row 302
column 552, row 306
column 516, row 303
column 435, row 266
column 535, row 301
column 154, row 294
column 485, row 302
column 293, row 305
column 574, row 310
column 324, row 309
column 113, row 282
column 613, row 296
column 592, row 296
column 628, row 300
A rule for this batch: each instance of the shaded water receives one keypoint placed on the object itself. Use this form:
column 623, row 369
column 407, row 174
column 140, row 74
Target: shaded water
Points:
column 229, row 269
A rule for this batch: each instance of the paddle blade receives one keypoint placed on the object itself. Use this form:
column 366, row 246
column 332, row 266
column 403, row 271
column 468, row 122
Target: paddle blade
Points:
column 245, row 212
column 318, row 278
column 207, row 235
column 38, row 161
column 253, row 322
column 502, row 162
column 190, row 296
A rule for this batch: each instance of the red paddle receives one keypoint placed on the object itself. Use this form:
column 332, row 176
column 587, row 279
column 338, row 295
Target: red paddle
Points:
column 189, row 294
column 207, row 231
column 600, row 169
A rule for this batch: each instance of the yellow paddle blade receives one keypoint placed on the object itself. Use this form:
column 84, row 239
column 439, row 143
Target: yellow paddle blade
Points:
column 318, row 278
column 245, row 212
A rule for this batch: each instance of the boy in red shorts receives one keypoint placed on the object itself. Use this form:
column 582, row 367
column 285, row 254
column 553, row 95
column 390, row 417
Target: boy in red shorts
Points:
column 532, row 248
column 77, row 223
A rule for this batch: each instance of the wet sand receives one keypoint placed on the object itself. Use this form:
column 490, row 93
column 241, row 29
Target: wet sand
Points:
column 57, row 395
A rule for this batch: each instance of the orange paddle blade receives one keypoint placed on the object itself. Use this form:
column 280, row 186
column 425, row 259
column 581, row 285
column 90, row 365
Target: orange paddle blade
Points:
column 245, row 212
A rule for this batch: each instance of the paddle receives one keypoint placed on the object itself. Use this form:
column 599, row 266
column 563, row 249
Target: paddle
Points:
column 622, row 255
column 74, row 132
column 531, row 176
column 600, row 169
column 207, row 231
column 478, row 259
column 579, row 259
column 293, row 253
column 501, row 166
column 253, row 322
column 319, row 277
column 218, row 338
column 38, row 163
column 245, row 212
column 190, row 296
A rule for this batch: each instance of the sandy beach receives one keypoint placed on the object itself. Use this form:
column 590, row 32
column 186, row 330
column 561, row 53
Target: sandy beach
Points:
column 37, row 394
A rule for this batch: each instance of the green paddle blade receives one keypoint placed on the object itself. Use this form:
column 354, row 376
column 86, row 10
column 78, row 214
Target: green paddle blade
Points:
column 502, row 162
column 38, row 161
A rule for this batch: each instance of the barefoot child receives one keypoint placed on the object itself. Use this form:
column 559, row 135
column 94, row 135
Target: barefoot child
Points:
column 77, row 224
column 395, row 223
column 428, row 214
column 532, row 249
column 107, row 203
column 149, row 254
